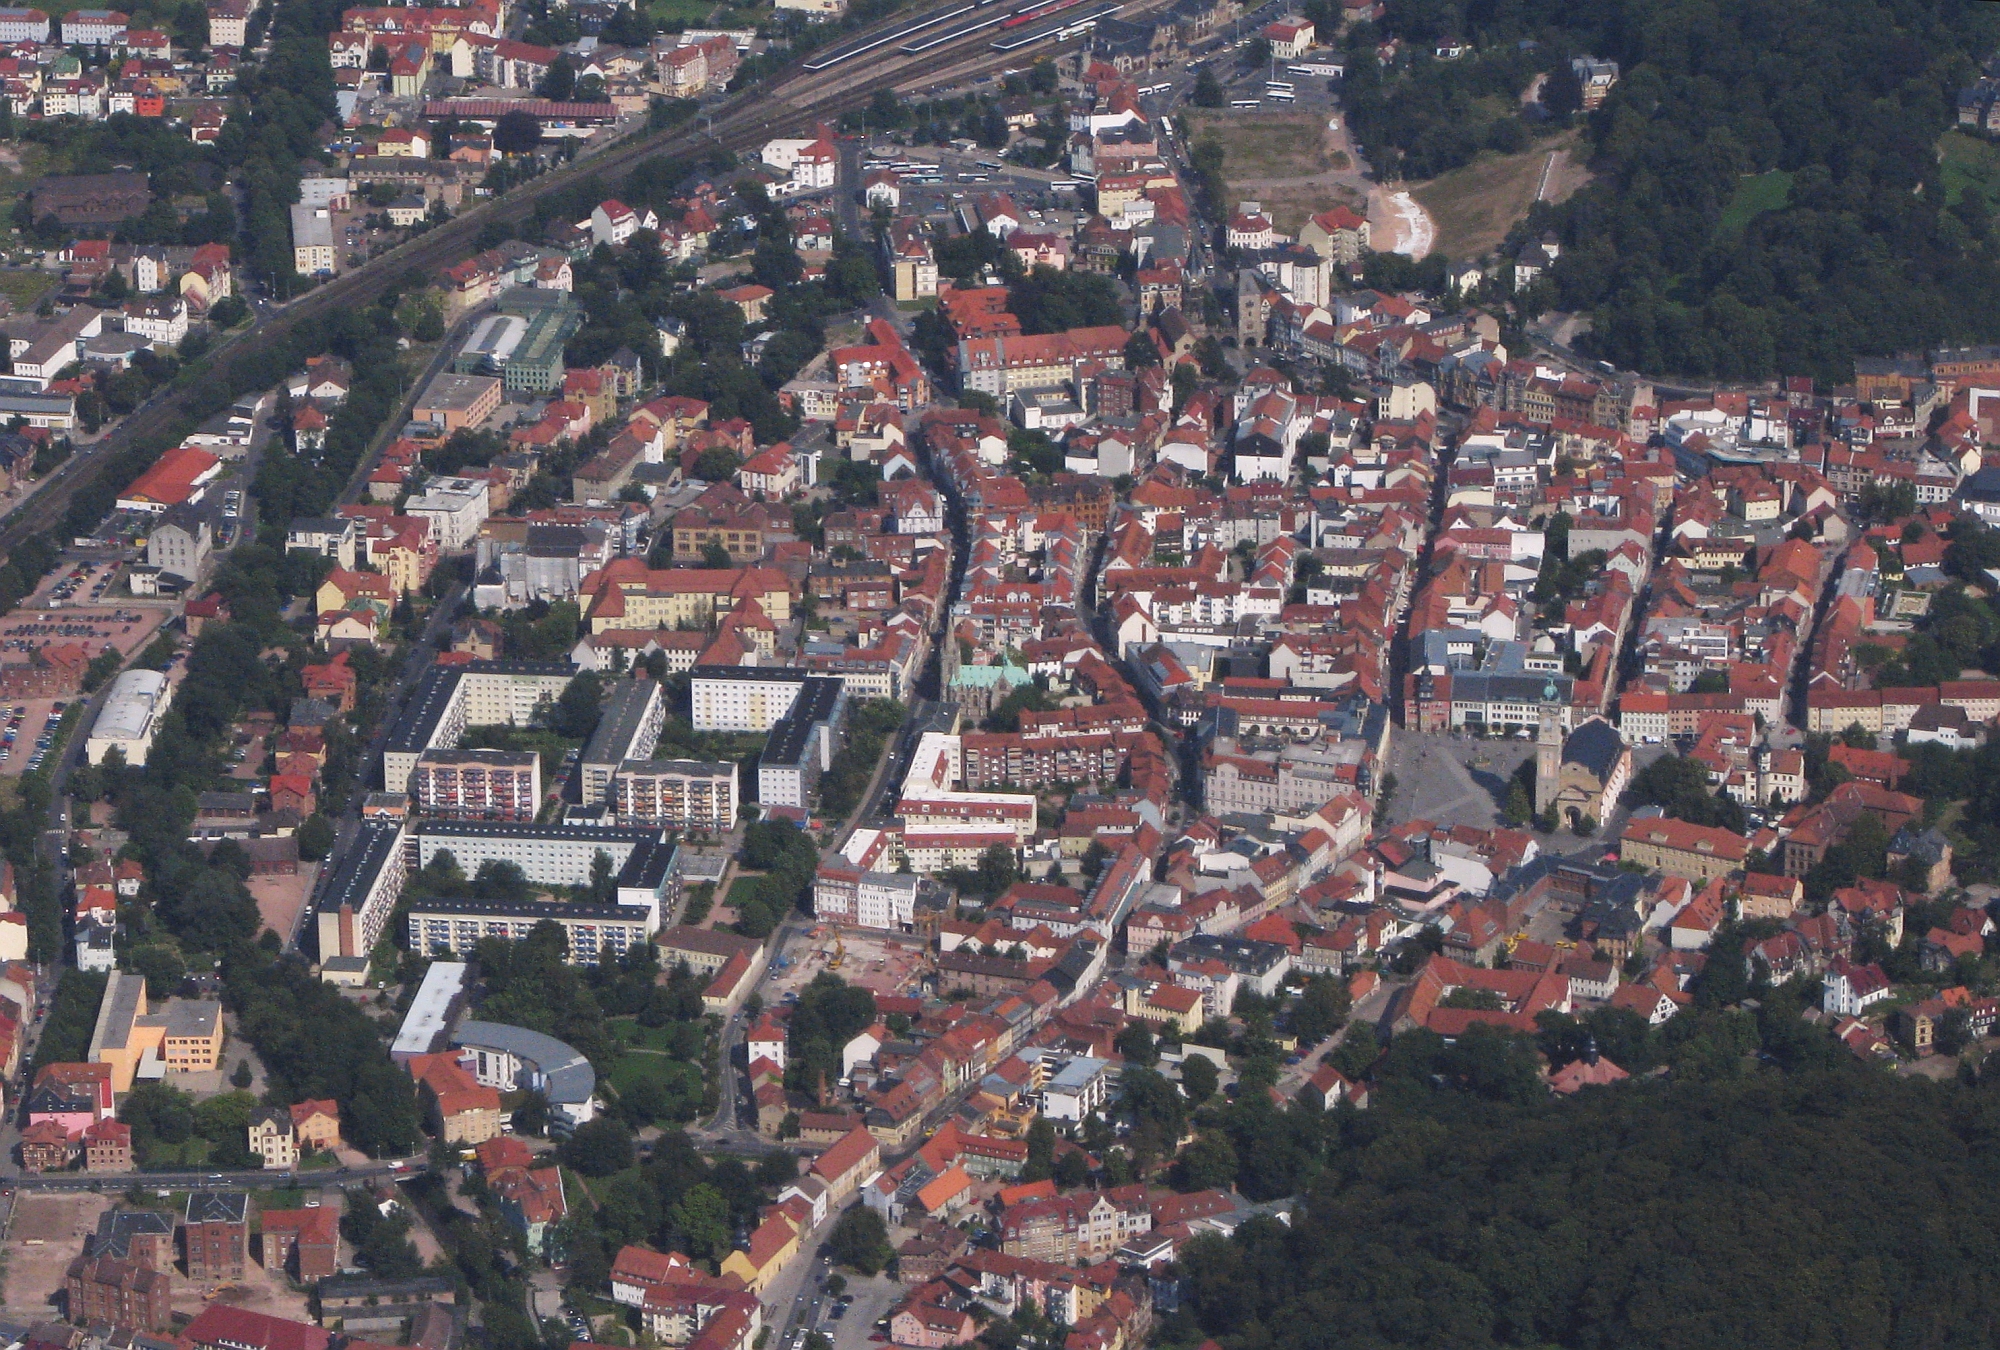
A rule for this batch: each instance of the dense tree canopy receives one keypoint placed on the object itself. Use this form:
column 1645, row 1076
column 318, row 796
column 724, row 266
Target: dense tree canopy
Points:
column 1668, row 1214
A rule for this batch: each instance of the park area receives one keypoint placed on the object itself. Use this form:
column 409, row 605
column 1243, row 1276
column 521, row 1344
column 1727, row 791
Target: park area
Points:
column 658, row 1070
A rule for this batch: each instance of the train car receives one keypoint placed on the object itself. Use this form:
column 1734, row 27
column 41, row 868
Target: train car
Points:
column 1030, row 13
column 1080, row 24
column 827, row 60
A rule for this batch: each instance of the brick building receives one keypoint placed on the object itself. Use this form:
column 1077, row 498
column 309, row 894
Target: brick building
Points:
column 103, row 1289
column 215, row 1236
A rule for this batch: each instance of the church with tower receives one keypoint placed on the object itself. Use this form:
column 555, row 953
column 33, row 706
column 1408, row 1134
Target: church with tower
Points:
column 1579, row 775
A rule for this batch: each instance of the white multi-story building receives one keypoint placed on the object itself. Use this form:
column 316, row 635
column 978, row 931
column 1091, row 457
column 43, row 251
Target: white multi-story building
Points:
column 743, row 698
column 312, row 240
column 456, row 508
column 23, row 25
column 94, row 28
column 353, row 908
column 452, row 698
column 162, row 322
column 859, row 898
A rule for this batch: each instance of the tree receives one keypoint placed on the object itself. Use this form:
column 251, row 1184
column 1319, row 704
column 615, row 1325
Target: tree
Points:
column 1209, row 1163
column 576, row 711
column 1562, row 91
column 1140, row 351
column 703, row 1218
column 599, row 1147
column 516, row 133
column 1199, row 1078
column 1322, row 1009
column 1208, row 91
column 531, row 1117
column 1040, row 1165
column 717, row 465
column 316, row 837
column 860, row 1241
column 559, row 84
column 241, row 1077
column 1072, row 1170
column 1135, row 1043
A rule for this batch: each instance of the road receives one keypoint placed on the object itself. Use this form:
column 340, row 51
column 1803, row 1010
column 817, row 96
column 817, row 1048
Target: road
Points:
column 181, row 1181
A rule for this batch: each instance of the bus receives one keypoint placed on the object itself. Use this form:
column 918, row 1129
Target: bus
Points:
column 1243, row 103
column 1277, row 87
column 1153, row 89
column 1279, row 95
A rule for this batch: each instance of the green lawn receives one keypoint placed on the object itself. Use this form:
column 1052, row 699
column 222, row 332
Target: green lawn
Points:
column 687, row 13
column 1756, row 193
column 25, row 287
column 1968, row 164
column 627, row 1032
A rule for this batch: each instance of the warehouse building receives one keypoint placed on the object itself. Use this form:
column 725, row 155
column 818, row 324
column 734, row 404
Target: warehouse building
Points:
column 130, row 717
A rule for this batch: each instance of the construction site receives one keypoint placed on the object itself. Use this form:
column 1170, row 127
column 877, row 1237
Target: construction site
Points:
column 886, row 963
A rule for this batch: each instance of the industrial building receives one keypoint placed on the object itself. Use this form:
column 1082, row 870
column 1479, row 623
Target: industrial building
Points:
column 523, row 343
column 628, row 727
column 437, row 1002
column 130, row 717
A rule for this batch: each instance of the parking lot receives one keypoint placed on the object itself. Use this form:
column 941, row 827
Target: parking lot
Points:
column 127, row 626
column 27, row 730
column 82, row 582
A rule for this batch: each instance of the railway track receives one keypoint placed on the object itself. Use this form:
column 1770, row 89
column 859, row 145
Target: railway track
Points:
column 793, row 100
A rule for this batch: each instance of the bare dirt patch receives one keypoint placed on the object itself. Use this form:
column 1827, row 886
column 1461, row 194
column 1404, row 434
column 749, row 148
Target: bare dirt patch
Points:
column 1475, row 206
column 1266, row 144
column 1293, row 164
column 46, row 1235
column 280, row 898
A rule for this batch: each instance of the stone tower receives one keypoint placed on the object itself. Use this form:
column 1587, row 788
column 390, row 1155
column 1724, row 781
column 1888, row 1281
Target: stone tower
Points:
column 1548, row 762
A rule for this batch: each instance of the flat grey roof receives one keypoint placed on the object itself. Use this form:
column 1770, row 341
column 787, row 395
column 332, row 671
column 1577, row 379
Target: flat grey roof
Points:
column 374, row 843
column 624, row 713
column 569, row 1078
column 430, row 1010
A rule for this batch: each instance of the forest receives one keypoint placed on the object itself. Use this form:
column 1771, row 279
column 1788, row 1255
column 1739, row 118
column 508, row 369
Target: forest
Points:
column 1838, row 1207
column 1864, row 257
column 1687, row 248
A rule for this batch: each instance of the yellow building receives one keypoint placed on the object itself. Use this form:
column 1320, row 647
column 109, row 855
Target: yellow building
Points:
column 775, row 1242
column 1697, row 852
column 1171, row 1004
column 628, row 594
column 184, row 1036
